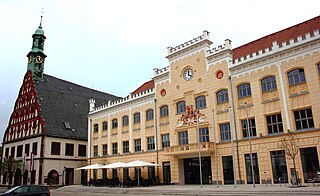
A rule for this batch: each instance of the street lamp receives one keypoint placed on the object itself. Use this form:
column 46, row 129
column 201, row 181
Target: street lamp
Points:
column 249, row 135
column 232, row 150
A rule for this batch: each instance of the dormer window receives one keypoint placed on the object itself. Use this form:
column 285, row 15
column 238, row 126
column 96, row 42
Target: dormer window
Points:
column 66, row 125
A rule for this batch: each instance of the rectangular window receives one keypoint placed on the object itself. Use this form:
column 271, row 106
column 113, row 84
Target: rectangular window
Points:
column 304, row 119
column 105, row 149
column 183, row 137
column 105, row 126
column 95, row 151
column 55, row 148
column 137, row 145
column 69, row 149
column 7, row 153
column 274, row 124
column 225, row 132
column 19, row 150
column 252, row 127
column 13, row 150
column 27, row 149
column 125, row 121
column 95, row 128
column 149, row 115
column 165, row 140
column 82, row 151
column 125, row 147
column 201, row 102
column 151, row 145
column 35, row 148
column 114, row 148
column 136, row 118
column 204, row 134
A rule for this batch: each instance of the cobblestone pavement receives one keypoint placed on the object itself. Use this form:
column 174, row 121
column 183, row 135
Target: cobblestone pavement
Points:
column 275, row 190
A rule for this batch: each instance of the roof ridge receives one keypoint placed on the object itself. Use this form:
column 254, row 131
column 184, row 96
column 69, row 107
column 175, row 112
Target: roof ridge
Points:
column 296, row 25
column 80, row 85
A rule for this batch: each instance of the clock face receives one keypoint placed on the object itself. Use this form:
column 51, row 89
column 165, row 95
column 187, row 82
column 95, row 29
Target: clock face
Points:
column 188, row 74
column 39, row 59
column 29, row 59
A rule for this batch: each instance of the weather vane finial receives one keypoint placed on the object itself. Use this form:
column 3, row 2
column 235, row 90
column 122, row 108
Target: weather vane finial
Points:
column 42, row 12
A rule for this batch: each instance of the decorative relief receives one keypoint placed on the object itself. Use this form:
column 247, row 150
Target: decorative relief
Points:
column 222, row 107
column 298, row 89
column 247, row 100
column 270, row 96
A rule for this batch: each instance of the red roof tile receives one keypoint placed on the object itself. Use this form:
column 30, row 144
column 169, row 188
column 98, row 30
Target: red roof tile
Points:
column 146, row 86
column 281, row 36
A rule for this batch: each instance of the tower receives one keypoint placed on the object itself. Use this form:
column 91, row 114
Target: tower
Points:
column 36, row 56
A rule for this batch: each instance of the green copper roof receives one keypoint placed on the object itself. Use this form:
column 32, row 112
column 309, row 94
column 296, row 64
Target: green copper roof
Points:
column 39, row 31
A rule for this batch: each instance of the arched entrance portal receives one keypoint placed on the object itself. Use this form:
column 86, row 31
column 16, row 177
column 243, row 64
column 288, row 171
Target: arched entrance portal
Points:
column 17, row 177
column 53, row 177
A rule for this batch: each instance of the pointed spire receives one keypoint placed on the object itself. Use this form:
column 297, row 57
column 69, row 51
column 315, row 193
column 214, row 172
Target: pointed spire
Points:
column 42, row 12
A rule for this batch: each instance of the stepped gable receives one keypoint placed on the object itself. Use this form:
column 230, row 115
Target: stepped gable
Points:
column 281, row 36
column 146, row 86
column 62, row 101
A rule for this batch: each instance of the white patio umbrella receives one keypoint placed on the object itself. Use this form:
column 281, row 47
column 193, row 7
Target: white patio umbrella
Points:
column 115, row 165
column 140, row 164
column 93, row 166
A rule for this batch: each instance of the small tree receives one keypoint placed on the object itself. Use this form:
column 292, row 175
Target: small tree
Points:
column 291, row 144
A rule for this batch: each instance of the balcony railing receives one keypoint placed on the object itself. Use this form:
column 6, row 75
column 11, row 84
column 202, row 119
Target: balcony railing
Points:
column 189, row 148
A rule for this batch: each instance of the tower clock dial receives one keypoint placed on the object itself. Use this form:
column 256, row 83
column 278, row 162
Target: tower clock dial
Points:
column 188, row 74
column 30, row 59
column 39, row 59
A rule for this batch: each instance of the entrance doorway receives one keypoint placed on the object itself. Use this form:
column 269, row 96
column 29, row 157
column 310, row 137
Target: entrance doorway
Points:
column 84, row 177
column 310, row 163
column 192, row 170
column 53, row 177
column 227, row 164
column 166, row 173
column 17, row 177
column 69, row 176
column 255, row 168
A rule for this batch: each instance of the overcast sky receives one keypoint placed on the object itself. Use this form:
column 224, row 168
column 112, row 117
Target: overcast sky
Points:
column 113, row 46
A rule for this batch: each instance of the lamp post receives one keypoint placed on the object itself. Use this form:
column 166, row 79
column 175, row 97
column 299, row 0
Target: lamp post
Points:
column 215, row 149
column 249, row 135
column 199, row 148
column 192, row 117
column 232, row 150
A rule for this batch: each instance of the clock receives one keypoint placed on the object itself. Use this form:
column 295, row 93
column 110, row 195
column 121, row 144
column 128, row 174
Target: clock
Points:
column 188, row 74
column 29, row 59
column 39, row 59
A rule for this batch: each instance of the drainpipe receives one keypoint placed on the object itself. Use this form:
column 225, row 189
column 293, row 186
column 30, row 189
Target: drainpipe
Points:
column 156, row 126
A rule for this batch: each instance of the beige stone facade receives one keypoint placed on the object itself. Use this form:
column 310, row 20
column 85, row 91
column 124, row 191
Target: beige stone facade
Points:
column 278, row 87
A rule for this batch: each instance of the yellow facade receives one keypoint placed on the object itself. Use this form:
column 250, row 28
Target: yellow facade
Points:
column 283, row 101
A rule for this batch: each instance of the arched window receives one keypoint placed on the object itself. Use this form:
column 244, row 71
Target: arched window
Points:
column 114, row 123
column 136, row 118
column 125, row 121
column 95, row 128
column 296, row 77
column 149, row 114
column 105, row 125
column 181, row 107
column 222, row 96
column 201, row 102
column 244, row 90
column 268, row 84
column 319, row 68
column 164, row 111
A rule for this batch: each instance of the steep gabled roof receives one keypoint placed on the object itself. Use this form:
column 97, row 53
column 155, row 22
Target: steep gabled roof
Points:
column 65, row 102
column 146, row 86
column 281, row 36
